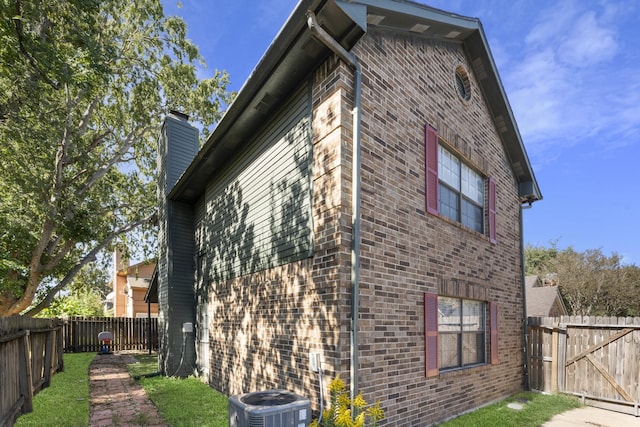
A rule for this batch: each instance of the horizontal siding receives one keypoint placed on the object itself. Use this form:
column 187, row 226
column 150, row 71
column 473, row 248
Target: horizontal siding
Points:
column 181, row 151
column 258, row 210
column 178, row 145
column 162, row 221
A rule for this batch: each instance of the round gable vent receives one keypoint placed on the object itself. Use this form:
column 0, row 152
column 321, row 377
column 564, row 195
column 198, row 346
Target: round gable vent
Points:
column 463, row 85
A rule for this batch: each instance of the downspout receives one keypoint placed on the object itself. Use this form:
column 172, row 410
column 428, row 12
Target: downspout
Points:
column 352, row 61
column 525, row 326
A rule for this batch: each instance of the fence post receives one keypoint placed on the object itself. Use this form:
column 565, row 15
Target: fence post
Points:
column 48, row 357
column 75, row 333
column 26, row 382
column 60, row 348
column 554, row 359
column 562, row 357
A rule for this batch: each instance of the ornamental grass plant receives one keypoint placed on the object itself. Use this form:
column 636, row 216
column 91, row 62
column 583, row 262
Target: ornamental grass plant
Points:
column 340, row 414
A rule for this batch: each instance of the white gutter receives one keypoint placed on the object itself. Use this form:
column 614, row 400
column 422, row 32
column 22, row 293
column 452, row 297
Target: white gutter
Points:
column 352, row 61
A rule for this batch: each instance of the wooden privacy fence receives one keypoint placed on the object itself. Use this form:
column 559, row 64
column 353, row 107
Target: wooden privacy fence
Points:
column 81, row 333
column 30, row 353
column 596, row 358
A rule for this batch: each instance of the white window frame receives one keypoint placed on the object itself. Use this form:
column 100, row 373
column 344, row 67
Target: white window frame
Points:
column 460, row 188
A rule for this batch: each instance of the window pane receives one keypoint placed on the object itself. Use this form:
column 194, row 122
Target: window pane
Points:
column 460, row 191
column 461, row 332
column 449, row 314
column 449, row 350
column 472, row 315
column 472, row 185
column 448, row 202
column 472, row 216
column 448, row 168
column 472, row 348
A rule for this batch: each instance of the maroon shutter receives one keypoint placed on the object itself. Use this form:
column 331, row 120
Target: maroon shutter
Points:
column 493, row 317
column 431, row 334
column 492, row 211
column 431, row 169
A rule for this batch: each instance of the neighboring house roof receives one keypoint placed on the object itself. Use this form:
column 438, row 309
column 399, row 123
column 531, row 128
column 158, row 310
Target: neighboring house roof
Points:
column 543, row 300
column 295, row 53
column 532, row 281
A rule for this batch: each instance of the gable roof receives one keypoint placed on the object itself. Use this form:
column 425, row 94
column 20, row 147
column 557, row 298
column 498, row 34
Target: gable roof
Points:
column 541, row 299
column 532, row 282
column 294, row 53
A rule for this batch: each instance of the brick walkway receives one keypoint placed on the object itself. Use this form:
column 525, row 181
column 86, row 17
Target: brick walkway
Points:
column 116, row 399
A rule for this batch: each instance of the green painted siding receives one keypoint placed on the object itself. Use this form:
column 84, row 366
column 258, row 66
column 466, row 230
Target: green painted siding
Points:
column 257, row 211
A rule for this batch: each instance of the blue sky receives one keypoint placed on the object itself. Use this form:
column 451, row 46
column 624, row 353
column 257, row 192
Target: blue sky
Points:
column 571, row 71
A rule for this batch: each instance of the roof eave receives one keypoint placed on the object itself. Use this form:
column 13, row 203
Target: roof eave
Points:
column 486, row 72
column 290, row 58
column 294, row 54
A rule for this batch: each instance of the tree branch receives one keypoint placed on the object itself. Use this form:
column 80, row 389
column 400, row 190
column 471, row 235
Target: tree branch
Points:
column 117, row 157
column 59, row 256
column 17, row 23
column 89, row 257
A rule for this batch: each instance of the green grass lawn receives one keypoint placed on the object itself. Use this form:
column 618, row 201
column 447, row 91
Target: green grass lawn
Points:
column 189, row 402
column 66, row 401
column 181, row 402
column 537, row 408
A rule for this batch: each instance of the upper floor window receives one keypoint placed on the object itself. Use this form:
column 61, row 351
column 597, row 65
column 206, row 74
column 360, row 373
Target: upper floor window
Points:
column 460, row 191
column 457, row 191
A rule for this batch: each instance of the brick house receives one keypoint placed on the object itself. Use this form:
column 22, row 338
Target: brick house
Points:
column 361, row 200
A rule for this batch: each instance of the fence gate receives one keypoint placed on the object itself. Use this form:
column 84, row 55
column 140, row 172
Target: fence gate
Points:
column 596, row 358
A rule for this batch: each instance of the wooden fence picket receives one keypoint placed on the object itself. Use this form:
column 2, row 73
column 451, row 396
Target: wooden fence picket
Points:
column 595, row 358
column 31, row 351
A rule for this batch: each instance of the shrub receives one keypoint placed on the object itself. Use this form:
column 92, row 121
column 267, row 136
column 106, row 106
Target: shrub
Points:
column 339, row 413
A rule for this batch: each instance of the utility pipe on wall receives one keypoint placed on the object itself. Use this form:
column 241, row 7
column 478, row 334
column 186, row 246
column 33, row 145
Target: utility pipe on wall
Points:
column 525, row 319
column 352, row 61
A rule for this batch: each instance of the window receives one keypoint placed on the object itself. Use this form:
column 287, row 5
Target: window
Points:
column 461, row 332
column 460, row 191
column 456, row 333
column 456, row 191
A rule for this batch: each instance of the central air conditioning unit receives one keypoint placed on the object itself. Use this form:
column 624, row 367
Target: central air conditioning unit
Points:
column 269, row 408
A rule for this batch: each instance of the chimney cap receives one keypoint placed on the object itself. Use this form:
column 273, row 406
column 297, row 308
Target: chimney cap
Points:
column 179, row 115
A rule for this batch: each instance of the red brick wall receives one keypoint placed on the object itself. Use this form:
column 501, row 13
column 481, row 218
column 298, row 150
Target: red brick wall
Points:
column 263, row 326
column 408, row 82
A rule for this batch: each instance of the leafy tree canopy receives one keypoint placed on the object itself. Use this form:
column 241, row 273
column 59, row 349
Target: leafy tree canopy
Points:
column 591, row 283
column 84, row 296
column 85, row 86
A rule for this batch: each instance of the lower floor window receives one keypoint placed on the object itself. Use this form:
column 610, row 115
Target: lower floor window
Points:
column 461, row 332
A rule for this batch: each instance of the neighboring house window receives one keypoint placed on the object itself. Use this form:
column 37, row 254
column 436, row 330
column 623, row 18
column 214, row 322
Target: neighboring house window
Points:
column 456, row 191
column 457, row 333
